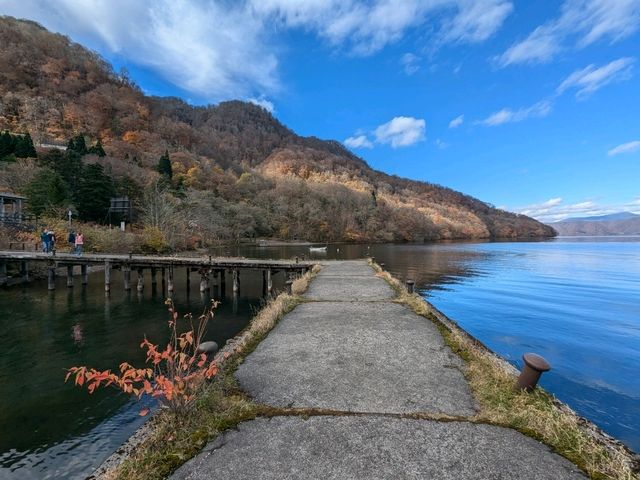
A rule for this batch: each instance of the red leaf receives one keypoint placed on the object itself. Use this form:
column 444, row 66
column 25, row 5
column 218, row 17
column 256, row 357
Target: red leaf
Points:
column 143, row 412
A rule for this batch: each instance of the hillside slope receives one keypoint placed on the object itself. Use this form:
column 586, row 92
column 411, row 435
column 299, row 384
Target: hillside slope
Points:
column 238, row 170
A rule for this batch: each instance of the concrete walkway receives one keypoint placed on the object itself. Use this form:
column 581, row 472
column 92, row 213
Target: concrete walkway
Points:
column 368, row 360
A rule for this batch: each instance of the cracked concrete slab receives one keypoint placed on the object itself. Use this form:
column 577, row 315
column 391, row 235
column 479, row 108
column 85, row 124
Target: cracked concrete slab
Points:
column 349, row 289
column 356, row 268
column 371, row 448
column 359, row 357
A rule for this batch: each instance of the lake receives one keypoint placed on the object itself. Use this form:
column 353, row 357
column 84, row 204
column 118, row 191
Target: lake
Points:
column 574, row 301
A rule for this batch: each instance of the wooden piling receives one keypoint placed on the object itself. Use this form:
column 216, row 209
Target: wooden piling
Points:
column 154, row 277
column 69, row 276
column 140, row 286
column 24, row 271
column 236, row 281
column 126, row 277
column 189, row 278
column 107, row 276
column 51, row 278
column 269, row 281
column 223, row 283
column 170, row 280
column 84, row 271
column 204, row 281
column 3, row 273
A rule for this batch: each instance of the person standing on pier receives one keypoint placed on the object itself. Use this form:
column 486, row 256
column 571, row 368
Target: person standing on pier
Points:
column 79, row 239
column 51, row 244
column 72, row 241
column 44, row 238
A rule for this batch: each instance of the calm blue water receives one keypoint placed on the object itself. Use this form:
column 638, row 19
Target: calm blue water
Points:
column 576, row 301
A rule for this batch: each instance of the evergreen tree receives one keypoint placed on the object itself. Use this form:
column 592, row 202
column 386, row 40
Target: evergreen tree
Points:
column 24, row 147
column 94, row 193
column 46, row 192
column 78, row 145
column 68, row 165
column 97, row 149
column 6, row 144
column 164, row 165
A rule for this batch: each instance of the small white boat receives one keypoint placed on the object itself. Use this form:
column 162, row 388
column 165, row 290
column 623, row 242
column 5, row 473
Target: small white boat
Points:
column 317, row 249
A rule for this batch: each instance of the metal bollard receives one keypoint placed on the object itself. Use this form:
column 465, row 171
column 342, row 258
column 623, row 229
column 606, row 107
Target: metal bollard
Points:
column 290, row 287
column 534, row 367
column 382, row 265
column 410, row 286
column 373, row 259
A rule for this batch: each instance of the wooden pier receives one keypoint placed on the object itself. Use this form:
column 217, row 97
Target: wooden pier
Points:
column 211, row 270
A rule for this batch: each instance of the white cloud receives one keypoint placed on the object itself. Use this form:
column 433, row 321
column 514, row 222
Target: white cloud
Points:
column 263, row 102
column 401, row 132
column 219, row 50
column 554, row 209
column 476, row 20
column 580, row 23
column 410, row 63
column 456, row 122
column 590, row 78
column 506, row 115
column 441, row 144
column 625, row 148
column 366, row 27
column 358, row 141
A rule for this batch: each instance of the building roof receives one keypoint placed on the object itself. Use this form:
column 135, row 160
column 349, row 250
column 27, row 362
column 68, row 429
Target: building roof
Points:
column 12, row 196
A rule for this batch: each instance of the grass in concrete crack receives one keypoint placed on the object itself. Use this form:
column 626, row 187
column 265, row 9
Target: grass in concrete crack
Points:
column 537, row 414
column 222, row 405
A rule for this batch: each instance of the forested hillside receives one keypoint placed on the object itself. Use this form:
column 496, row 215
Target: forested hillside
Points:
column 217, row 173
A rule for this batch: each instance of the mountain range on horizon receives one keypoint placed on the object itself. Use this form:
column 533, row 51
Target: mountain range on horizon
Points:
column 240, row 171
column 620, row 223
column 602, row 218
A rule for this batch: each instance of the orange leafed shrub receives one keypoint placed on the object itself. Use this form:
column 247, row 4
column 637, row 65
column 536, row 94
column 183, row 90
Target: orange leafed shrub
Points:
column 173, row 374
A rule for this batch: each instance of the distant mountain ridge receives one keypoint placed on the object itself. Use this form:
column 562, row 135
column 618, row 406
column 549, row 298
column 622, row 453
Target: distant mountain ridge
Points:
column 603, row 218
column 621, row 223
column 239, row 168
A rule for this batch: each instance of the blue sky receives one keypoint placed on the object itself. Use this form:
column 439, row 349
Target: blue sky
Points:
column 531, row 106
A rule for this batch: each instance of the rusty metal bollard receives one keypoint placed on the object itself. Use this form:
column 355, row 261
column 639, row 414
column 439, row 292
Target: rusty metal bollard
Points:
column 290, row 287
column 410, row 286
column 534, row 367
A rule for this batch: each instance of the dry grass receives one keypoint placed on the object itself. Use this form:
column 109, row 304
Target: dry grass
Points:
column 171, row 440
column 537, row 414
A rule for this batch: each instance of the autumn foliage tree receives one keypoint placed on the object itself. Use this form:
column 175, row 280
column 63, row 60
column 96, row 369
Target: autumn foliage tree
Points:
column 173, row 374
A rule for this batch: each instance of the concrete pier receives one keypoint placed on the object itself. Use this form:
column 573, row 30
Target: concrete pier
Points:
column 364, row 370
